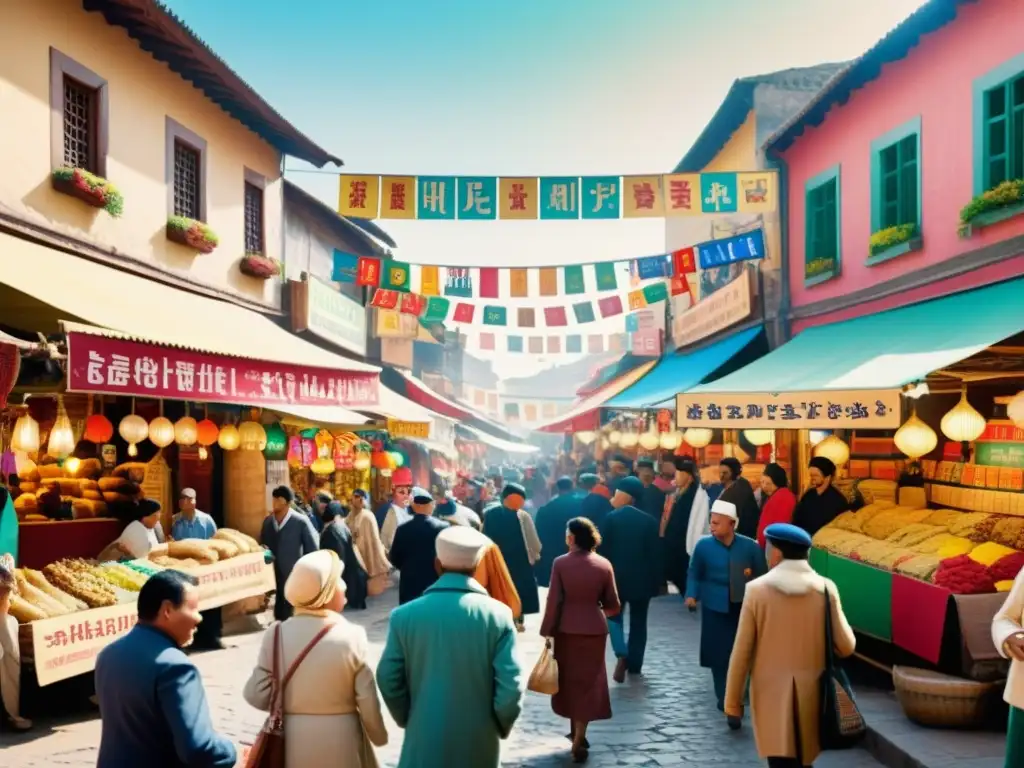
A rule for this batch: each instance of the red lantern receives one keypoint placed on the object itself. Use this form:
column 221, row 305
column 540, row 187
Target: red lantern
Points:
column 98, row 429
column 207, row 432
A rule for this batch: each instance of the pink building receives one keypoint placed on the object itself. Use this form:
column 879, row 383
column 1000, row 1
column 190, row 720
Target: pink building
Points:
column 881, row 164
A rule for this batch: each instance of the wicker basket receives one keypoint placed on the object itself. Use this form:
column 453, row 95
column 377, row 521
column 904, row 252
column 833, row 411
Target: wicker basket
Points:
column 943, row 701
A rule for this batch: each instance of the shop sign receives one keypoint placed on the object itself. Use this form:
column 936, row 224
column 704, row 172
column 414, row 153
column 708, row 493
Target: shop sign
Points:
column 234, row 579
column 335, row 317
column 119, row 367
column 725, row 307
column 730, row 250
column 418, row 430
column 392, row 324
column 857, row 409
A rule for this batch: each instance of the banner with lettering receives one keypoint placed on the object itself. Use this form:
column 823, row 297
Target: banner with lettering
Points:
column 828, row 409
column 489, row 198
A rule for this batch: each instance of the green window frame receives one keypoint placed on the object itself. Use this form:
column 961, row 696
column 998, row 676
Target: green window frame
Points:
column 896, row 177
column 822, row 225
column 998, row 141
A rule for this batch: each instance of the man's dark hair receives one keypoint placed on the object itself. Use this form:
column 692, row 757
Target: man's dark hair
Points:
column 563, row 484
column 283, row 492
column 165, row 585
column 791, row 551
column 734, row 466
column 324, row 498
column 645, row 463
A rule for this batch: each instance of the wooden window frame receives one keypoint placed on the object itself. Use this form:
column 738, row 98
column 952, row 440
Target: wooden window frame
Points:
column 173, row 133
column 832, row 175
column 260, row 182
column 1003, row 75
column 894, row 137
column 62, row 66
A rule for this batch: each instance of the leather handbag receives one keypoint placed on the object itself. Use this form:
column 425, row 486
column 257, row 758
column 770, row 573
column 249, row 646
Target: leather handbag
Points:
column 544, row 677
column 841, row 723
column 268, row 750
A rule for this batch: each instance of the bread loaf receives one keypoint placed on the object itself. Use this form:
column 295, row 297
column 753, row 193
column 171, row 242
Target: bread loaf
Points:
column 236, row 538
column 193, row 549
column 224, row 548
column 37, row 580
column 24, row 611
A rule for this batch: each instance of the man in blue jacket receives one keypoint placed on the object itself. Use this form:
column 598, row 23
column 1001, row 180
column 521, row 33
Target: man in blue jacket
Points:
column 150, row 694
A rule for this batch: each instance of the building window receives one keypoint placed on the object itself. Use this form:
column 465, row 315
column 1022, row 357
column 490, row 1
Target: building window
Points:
column 185, row 158
column 255, row 217
column 822, row 245
column 896, row 177
column 79, row 116
column 1004, row 132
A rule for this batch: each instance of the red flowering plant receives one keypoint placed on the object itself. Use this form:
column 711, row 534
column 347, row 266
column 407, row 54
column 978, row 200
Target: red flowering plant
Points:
column 192, row 233
column 89, row 188
column 260, row 266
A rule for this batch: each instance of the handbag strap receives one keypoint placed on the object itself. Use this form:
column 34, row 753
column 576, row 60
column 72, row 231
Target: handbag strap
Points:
column 829, row 652
column 277, row 690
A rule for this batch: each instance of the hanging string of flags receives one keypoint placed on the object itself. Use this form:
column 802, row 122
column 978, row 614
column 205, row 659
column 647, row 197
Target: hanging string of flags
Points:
column 487, row 198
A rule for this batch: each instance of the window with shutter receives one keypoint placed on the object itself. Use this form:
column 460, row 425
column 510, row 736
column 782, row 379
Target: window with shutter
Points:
column 81, row 125
column 1004, row 132
column 187, row 187
column 253, row 219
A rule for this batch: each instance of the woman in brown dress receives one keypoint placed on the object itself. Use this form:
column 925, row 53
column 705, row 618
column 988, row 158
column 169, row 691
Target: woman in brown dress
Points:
column 581, row 596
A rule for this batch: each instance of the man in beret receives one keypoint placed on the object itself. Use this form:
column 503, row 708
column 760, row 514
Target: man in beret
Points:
column 721, row 566
column 449, row 674
column 632, row 544
column 510, row 527
column 551, row 521
column 413, row 550
column 822, row 503
column 784, row 666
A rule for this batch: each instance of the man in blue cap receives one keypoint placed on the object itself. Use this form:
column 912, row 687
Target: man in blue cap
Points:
column 721, row 566
column 412, row 551
column 784, row 665
column 632, row 544
column 551, row 521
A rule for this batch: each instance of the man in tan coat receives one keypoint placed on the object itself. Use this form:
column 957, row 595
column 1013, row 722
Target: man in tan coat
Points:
column 784, row 665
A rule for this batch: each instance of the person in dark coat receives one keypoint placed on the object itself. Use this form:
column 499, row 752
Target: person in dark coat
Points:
column 551, row 521
column 632, row 544
column 337, row 536
column 619, row 467
column 288, row 535
column 595, row 506
column 739, row 491
column 687, row 522
column 503, row 526
column 652, row 500
column 413, row 552
column 822, row 503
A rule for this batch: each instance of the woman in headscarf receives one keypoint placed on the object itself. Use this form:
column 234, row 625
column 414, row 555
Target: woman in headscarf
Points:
column 325, row 724
column 337, row 537
column 777, row 501
column 366, row 537
column 685, row 523
column 512, row 529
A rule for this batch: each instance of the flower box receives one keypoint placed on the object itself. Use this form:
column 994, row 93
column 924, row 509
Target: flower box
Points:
column 894, row 251
column 89, row 188
column 259, row 266
column 192, row 234
column 1002, row 202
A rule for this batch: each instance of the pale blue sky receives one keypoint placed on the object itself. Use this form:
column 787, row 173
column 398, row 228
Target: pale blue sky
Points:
column 520, row 87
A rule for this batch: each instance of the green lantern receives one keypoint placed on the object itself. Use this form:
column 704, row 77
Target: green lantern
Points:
column 398, row 457
column 277, row 442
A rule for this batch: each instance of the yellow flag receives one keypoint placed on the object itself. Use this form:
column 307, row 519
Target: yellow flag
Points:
column 642, row 197
column 549, row 281
column 758, row 192
column 519, row 282
column 518, row 198
column 637, row 300
column 682, row 194
column 430, row 282
column 398, row 197
column 359, row 196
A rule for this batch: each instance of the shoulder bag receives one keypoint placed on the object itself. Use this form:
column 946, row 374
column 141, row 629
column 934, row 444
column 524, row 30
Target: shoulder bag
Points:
column 268, row 750
column 841, row 725
column 544, row 677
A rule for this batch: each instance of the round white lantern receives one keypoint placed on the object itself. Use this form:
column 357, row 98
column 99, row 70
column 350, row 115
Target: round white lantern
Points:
column 759, row 436
column 915, row 438
column 133, row 430
column 25, row 437
column 252, row 436
column 161, row 432
column 186, row 431
column 963, row 423
column 229, row 439
column 697, row 437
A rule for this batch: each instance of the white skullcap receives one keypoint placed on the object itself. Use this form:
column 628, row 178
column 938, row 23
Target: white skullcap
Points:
column 726, row 508
column 314, row 580
column 459, row 548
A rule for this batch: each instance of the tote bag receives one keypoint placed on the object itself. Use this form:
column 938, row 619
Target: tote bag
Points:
column 544, row 677
column 841, row 725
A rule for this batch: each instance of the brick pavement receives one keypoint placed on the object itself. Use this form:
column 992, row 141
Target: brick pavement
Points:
column 665, row 718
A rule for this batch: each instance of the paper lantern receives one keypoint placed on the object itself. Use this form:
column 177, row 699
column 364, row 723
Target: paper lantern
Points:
column 207, row 432
column 277, row 442
column 186, row 431
column 629, row 439
column 161, row 432
column 759, row 436
column 586, row 436
column 1015, row 409
column 22, row 463
column 229, row 439
column 915, row 438
column 962, row 422
column 815, row 436
column 650, row 439
column 380, row 460
column 133, row 430
column 362, row 462
column 614, row 437
column 397, row 458
column 323, row 466
column 833, row 449
column 698, row 437
column 62, row 436
column 252, row 436
column 669, row 441
column 98, row 429
column 25, row 437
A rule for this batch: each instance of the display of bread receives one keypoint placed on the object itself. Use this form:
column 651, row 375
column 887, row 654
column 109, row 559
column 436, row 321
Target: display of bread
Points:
column 75, row 577
column 244, row 542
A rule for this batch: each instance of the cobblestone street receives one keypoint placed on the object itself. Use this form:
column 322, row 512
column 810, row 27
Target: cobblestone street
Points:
column 666, row 718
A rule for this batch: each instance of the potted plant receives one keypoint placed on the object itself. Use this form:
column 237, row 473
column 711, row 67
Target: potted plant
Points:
column 996, row 204
column 89, row 188
column 260, row 266
column 893, row 241
column 192, row 233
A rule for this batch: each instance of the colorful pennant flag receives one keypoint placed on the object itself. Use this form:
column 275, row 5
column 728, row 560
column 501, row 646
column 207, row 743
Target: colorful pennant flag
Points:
column 437, row 310
column 729, row 250
column 655, row 292
column 487, row 345
column 384, row 299
column 359, row 196
column 610, row 306
column 606, row 277
column 458, row 282
column 554, row 345
column 595, row 343
column 584, row 312
column 601, row 197
column 396, row 276
column 435, row 197
column 368, row 271
column 515, row 343
column 632, row 323
column 518, row 283
column 344, row 267
column 488, row 282
column 398, row 197
column 430, row 281
column 526, row 317
column 573, row 277
column 555, row 317
column 413, row 304
column 463, row 313
column 560, row 197
column 651, row 267
column 637, row 300
column 536, row 345
column 518, row 198
column 574, row 344
column 495, row 316
column 548, row 281
column 642, row 197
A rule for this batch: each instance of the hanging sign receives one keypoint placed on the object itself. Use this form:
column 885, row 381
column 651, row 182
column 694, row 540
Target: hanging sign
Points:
column 333, row 316
column 839, row 409
column 725, row 307
column 414, row 429
column 729, row 250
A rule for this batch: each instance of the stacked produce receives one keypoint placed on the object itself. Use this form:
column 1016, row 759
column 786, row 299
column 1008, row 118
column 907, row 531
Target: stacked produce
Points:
column 46, row 488
column 75, row 576
column 120, row 576
column 192, row 553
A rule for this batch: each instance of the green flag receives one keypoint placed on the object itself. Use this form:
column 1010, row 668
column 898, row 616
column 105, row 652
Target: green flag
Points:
column 606, row 280
column 656, row 292
column 437, row 310
column 495, row 316
column 584, row 312
column 574, row 280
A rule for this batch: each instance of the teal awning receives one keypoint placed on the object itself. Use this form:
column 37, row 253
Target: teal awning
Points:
column 680, row 371
column 885, row 350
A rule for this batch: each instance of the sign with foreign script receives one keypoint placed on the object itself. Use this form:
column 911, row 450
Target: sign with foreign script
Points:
column 335, row 317
column 107, row 366
column 846, row 409
column 730, row 250
column 727, row 306
column 413, row 429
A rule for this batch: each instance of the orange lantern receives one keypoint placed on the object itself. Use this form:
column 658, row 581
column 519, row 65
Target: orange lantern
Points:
column 380, row 460
column 207, row 433
column 98, row 429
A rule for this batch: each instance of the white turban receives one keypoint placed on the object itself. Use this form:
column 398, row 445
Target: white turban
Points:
column 726, row 508
column 460, row 548
column 314, row 580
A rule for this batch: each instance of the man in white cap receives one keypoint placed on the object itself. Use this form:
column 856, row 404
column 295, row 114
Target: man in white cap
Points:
column 413, row 551
column 720, row 567
column 453, row 647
